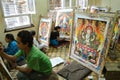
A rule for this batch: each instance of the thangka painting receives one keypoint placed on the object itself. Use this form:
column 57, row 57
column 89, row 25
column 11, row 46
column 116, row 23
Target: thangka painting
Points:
column 116, row 33
column 64, row 19
column 90, row 41
column 52, row 14
column 44, row 30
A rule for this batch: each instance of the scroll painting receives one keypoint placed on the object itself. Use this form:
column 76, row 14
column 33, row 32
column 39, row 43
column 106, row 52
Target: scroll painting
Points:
column 90, row 41
column 116, row 33
column 44, row 30
column 64, row 19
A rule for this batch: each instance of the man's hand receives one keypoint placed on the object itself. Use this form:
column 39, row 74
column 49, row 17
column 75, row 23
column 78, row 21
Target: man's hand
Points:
column 1, row 48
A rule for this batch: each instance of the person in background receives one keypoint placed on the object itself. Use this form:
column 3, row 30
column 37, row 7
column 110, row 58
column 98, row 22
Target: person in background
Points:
column 55, row 39
column 35, row 41
column 11, row 49
column 41, row 46
column 38, row 65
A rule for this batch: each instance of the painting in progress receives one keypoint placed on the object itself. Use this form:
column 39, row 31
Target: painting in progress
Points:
column 90, row 41
column 64, row 19
column 44, row 30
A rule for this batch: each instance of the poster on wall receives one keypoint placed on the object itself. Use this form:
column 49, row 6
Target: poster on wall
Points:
column 64, row 19
column 90, row 41
column 44, row 30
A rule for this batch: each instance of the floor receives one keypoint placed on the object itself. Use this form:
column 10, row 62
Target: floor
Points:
column 63, row 52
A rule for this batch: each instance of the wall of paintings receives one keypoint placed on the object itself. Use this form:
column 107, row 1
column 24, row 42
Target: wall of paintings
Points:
column 90, row 35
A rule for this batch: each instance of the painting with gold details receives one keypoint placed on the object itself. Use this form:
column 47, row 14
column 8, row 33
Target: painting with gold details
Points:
column 116, row 33
column 64, row 19
column 44, row 30
column 90, row 41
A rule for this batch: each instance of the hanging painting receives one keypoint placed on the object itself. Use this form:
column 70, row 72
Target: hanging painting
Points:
column 44, row 30
column 90, row 41
column 64, row 19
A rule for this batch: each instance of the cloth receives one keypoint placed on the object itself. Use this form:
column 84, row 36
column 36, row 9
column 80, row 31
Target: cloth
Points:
column 31, row 76
column 37, row 44
column 53, row 38
column 54, row 35
column 36, row 76
column 12, row 48
column 74, row 71
column 37, row 60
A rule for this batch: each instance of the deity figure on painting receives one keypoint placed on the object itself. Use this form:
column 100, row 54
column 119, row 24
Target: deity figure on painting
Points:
column 43, row 30
column 65, row 22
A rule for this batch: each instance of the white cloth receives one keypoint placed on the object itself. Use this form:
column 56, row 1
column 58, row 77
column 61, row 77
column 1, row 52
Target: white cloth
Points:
column 36, row 43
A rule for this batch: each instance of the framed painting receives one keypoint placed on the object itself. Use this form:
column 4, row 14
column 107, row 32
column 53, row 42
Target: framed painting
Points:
column 90, row 41
column 64, row 19
column 44, row 30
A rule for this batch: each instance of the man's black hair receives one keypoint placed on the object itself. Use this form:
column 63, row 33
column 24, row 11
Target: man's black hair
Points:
column 10, row 37
column 57, row 27
column 32, row 32
column 26, row 37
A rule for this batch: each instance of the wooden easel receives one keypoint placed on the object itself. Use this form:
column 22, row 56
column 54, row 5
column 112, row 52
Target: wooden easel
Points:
column 4, row 71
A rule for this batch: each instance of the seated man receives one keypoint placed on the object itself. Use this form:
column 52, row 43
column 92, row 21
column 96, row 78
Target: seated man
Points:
column 12, row 48
column 38, row 66
column 55, row 39
column 42, row 47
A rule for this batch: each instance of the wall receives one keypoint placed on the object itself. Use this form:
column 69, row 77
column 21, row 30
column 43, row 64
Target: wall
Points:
column 113, row 4
column 41, row 9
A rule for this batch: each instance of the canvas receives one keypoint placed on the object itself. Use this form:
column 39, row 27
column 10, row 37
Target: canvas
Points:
column 64, row 19
column 44, row 30
column 4, row 70
column 90, row 41
column 116, row 33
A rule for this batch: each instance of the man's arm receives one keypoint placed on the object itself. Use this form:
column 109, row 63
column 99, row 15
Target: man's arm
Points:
column 6, row 56
column 24, row 68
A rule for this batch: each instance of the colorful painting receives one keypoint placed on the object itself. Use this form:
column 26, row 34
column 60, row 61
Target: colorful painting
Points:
column 52, row 14
column 44, row 30
column 90, row 41
column 116, row 33
column 64, row 19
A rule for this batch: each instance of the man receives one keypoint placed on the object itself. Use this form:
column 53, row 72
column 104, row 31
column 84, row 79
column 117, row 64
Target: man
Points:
column 55, row 39
column 12, row 48
column 38, row 66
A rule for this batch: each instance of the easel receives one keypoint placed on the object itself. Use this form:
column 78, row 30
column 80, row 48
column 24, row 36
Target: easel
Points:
column 4, row 71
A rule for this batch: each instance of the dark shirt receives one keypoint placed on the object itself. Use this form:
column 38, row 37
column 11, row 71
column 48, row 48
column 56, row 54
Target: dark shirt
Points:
column 54, row 35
